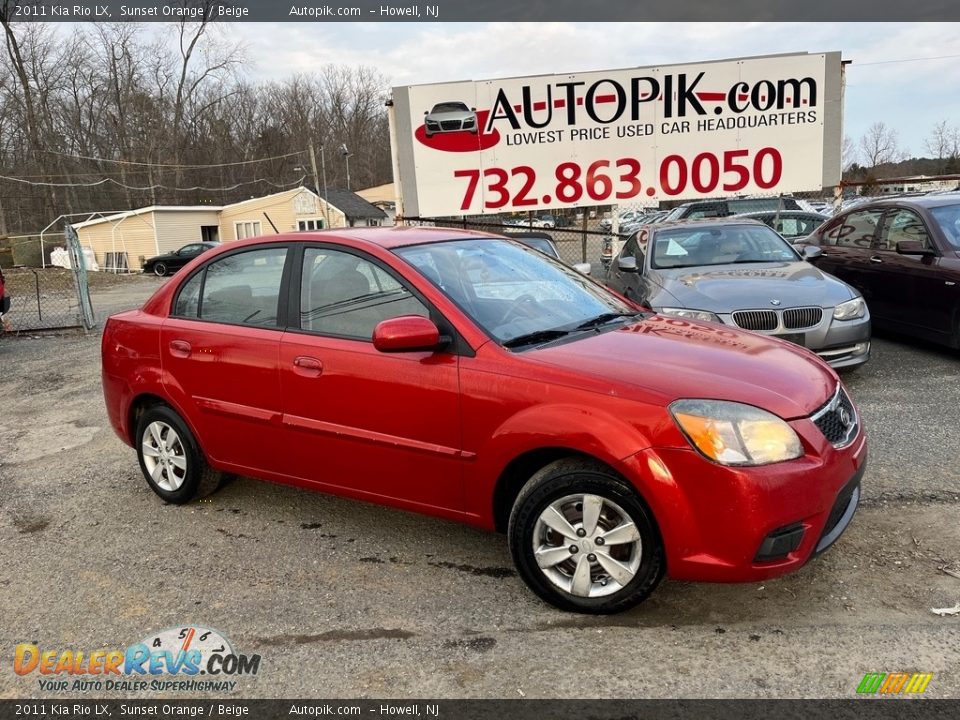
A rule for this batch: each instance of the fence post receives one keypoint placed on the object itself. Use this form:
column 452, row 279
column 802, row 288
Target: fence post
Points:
column 583, row 237
column 78, row 263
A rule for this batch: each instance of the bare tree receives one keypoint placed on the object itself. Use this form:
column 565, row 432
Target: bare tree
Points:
column 943, row 143
column 848, row 153
column 880, row 145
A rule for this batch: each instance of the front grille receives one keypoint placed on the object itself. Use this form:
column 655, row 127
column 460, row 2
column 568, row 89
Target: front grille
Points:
column 756, row 319
column 837, row 419
column 450, row 124
column 796, row 318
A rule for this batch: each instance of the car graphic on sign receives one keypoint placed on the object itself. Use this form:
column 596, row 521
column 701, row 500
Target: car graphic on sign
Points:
column 450, row 117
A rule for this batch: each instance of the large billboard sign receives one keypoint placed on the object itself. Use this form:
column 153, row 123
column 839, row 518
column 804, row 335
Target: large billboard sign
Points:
column 760, row 125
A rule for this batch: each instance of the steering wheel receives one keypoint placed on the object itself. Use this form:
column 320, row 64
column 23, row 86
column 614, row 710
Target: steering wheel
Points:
column 522, row 307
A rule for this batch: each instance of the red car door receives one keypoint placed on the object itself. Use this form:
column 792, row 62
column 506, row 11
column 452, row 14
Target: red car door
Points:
column 219, row 351
column 385, row 426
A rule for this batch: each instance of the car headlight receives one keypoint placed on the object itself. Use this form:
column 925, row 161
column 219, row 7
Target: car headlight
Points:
column 690, row 314
column 731, row 433
column 850, row 310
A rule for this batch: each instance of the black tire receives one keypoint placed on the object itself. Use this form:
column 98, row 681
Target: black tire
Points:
column 572, row 476
column 197, row 480
column 160, row 269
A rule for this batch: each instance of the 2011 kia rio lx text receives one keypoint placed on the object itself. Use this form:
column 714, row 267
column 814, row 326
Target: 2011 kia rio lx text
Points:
column 467, row 376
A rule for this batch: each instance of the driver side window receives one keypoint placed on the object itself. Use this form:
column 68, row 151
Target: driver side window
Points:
column 345, row 295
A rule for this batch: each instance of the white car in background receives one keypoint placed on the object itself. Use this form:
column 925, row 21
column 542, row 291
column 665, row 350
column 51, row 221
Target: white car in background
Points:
column 450, row 117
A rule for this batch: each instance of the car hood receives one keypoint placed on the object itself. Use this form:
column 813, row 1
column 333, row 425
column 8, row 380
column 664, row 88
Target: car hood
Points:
column 725, row 288
column 663, row 359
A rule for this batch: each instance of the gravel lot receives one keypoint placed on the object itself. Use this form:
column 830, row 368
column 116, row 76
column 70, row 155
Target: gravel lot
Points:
column 345, row 599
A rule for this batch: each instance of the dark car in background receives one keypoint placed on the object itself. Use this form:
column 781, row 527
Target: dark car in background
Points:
column 4, row 302
column 544, row 243
column 791, row 224
column 739, row 272
column 903, row 256
column 171, row 262
column 733, row 206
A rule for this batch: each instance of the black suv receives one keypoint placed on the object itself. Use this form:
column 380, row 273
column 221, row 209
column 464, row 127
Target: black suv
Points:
column 697, row 209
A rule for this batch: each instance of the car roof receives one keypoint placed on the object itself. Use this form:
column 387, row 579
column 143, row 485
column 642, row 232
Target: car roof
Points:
column 706, row 222
column 782, row 213
column 386, row 237
column 924, row 201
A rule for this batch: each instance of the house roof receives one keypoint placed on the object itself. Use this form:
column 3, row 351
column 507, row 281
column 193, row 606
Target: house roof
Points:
column 353, row 206
column 143, row 211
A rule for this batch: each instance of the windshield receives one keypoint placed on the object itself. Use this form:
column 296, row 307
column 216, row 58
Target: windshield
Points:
column 449, row 107
column 514, row 292
column 948, row 218
column 696, row 245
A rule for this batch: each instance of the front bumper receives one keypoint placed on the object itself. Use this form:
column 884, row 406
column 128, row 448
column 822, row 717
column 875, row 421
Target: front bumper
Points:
column 717, row 522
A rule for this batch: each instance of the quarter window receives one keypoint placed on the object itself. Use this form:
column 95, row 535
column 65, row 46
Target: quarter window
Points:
column 858, row 229
column 343, row 294
column 905, row 225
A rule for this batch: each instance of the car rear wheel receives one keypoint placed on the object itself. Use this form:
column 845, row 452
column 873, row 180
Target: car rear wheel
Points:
column 583, row 540
column 160, row 269
column 171, row 459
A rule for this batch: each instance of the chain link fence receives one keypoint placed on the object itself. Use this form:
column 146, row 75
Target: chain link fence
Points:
column 46, row 297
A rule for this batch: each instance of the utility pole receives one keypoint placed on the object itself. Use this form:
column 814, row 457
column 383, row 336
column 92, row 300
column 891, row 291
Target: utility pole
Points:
column 316, row 180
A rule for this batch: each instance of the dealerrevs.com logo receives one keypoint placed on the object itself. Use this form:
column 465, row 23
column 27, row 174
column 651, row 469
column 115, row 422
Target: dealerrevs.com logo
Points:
column 186, row 659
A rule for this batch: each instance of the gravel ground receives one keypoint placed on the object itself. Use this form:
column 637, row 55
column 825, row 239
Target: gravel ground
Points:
column 346, row 599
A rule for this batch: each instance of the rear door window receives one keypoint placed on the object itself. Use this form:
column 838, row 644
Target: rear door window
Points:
column 858, row 229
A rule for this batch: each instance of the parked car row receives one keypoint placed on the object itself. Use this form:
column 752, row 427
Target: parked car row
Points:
column 737, row 271
column 900, row 255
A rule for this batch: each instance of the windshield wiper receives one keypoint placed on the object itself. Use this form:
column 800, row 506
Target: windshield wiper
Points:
column 603, row 319
column 533, row 338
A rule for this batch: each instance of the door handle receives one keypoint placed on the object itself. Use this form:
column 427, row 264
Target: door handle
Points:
column 306, row 365
column 180, row 348
column 876, row 259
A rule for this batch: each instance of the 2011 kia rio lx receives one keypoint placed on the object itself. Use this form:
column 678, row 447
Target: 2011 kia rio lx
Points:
column 467, row 376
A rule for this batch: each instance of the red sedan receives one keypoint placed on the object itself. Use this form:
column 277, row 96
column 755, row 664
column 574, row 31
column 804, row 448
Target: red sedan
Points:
column 470, row 377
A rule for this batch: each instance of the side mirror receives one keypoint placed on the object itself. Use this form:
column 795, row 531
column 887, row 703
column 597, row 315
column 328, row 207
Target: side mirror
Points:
column 473, row 109
column 811, row 251
column 914, row 247
column 426, row 112
column 408, row 333
column 582, row 268
column 627, row 263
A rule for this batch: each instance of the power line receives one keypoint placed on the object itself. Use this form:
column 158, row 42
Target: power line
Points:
column 174, row 165
column 153, row 187
column 904, row 60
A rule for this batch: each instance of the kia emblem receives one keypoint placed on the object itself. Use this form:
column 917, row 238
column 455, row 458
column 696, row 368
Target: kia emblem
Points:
column 844, row 417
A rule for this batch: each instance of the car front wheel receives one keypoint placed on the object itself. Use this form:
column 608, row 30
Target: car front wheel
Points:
column 171, row 459
column 583, row 540
column 160, row 269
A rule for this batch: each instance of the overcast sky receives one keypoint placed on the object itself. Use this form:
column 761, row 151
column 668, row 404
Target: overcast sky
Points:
column 909, row 96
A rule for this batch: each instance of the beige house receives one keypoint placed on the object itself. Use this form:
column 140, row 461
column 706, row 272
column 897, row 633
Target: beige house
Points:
column 122, row 241
column 384, row 197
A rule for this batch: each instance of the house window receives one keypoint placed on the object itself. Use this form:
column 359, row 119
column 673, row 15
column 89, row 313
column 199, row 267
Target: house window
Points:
column 373, row 223
column 310, row 224
column 247, row 229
